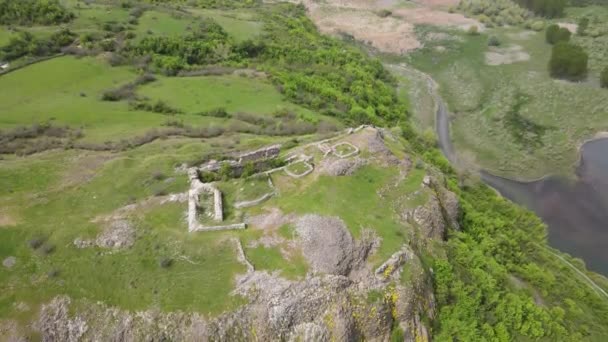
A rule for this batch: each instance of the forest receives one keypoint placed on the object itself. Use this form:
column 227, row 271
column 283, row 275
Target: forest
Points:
column 28, row 12
column 545, row 8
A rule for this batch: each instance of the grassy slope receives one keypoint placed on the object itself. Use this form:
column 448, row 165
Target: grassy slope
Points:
column 197, row 94
column 341, row 196
column 47, row 197
column 241, row 24
column 482, row 95
column 157, row 23
column 77, row 85
column 69, row 90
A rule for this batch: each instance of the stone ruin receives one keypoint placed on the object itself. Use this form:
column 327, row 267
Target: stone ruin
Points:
column 198, row 189
column 265, row 153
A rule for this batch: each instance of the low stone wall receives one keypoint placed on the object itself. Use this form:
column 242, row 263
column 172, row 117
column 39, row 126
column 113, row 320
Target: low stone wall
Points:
column 335, row 151
column 293, row 175
column 241, row 255
column 263, row 153
column 200, row 228
column 196, row 188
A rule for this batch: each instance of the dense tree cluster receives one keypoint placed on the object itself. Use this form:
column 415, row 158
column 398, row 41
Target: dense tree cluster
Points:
column 209, row 45
column 323, row 74
column 545, row 8
column 479, row 285
column 604, row 78
column 555, row 34
column 26, row 44
column 495, row 12
column 29, row 12
column 310, row 69
column 568, row 61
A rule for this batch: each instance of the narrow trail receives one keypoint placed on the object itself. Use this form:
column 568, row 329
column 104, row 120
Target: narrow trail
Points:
column 442, row 116
column 583, row 276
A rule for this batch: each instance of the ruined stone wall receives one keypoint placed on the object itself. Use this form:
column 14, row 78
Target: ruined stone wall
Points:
column 196, row 188
column 263, row 153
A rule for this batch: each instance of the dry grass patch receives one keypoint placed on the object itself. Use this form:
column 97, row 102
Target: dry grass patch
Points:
column 385, row 34
column 7, row 220
column 508, row 55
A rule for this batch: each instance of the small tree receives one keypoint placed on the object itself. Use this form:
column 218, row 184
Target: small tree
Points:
column 555, row 34
column 493, row 41
column 473, row 30
column 604, row 78
column 568, row 61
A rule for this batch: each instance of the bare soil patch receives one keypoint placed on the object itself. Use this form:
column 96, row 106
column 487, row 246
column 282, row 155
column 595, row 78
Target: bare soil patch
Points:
column 508, row 55
column 569, row 26
column 84, row 168
column 523, row 35
column 7, row 220
column 271, row 220
column 438, row 3
column 385, row 34
column 424, row 15
column 9, row 262
column 391, row 34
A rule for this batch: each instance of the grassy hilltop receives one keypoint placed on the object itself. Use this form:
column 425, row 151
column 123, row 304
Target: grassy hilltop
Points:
column 106, row 104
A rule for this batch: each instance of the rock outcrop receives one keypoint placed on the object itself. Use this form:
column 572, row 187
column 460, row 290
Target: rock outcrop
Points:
column 439, row 214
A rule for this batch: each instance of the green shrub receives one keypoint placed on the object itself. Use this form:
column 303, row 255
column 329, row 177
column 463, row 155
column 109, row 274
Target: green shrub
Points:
column 473, row 30
column 555, row 34
column 165, row 262
column 384, row 13
column 568, row 61
column 26, row 44
column 33, row 12
column 545, row 8
column 493, row 41
column 604, row 78
column 538, row 26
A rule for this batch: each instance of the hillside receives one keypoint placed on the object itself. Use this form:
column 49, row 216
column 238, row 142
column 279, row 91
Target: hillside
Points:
column 228, row 170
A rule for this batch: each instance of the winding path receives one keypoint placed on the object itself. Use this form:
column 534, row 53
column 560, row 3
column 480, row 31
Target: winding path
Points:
column 582, row 275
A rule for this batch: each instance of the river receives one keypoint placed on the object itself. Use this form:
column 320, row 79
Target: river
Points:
column 575, row 211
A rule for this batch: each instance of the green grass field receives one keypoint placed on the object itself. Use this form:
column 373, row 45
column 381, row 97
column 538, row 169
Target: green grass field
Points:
column 240, row 24
column 63, row 209
column 155, row 23
column 538, row 136
column 198, row 94
column 298, row 168
column 68, row 91
column 337, row 196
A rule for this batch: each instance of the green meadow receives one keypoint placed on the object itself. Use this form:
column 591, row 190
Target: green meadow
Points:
column 513, row 118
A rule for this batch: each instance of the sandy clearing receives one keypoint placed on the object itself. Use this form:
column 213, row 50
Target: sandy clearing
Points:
column 523, row 35
column 571, row 27
column 385, row 34
column 7, row 220
column 424, row 15
column 84, row 167
column 438, row 3
column 508, row 55
column 392, row 34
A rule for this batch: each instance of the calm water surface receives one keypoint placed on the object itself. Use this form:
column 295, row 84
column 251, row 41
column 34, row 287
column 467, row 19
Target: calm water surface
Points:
column 575, row 211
